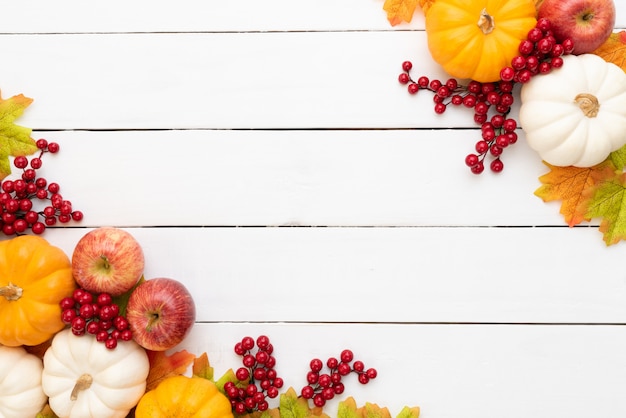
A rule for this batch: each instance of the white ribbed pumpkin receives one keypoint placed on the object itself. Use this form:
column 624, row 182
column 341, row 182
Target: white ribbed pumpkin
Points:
column 84, row 379
column 21, row 394
column 576, row 115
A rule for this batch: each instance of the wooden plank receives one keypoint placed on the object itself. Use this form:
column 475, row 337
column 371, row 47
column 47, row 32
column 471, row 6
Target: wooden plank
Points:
column 234, row 80
column 310, row 178
column 67, row 16
column 500, row 275
column 199, row 16
column 451, row 371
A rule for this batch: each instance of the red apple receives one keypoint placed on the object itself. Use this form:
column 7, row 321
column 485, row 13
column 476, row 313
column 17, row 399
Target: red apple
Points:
column 588, row 23
column 107, row 260
column 160, row 312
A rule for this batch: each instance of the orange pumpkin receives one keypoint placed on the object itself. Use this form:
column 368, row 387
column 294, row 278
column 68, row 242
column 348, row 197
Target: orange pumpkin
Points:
column 34, row 277
column 184, row 397
column 476, row 39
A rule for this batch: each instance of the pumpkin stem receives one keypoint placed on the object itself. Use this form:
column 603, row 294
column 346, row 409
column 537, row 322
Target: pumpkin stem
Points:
column 11, row 292
column 84, row 382
column 486, row 22
column 588, row 103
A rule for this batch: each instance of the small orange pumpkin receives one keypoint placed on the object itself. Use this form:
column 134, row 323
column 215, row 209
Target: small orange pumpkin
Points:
column 34, row 277
column 184, row 397
column 476, row 39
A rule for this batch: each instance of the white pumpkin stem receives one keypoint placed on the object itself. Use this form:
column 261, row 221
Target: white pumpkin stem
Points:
column 588, row 103
column 486, row 22
column 11, row 292
column 84, row 382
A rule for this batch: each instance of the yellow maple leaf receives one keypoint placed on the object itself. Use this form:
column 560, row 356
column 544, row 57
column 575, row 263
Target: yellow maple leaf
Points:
column 399, row 11
column 614, row 49
column 14, row 140
column 569, row 184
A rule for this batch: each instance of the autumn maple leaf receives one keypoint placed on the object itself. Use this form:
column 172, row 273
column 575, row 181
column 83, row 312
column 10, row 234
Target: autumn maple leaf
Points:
column 569, row 184
column 608, row 201
column 399, row 11
column 163, row 366
column 14, row 140
column 614, row 49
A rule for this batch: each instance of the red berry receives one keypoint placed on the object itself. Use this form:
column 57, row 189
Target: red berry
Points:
column 413, row 88
column 324, row 380
column 68, row 315
column 404, row 78
column 363, row 378
column 543, row 24
column 507, row 73
column 307, row 392
column 318, row 400
column 242, row 374
column 36, row 163
column 126, row 335
column 53, row 147
column 41, row 143
column 371, row 373
column 496, row 166
column 423, row 82
column 247, row 343
column 104, row 299
column 93, row 328
column 535, row 34
column 471, row 160
column 526, row 47
column 38, row 228
column 312, row 377
column 343, row 369
column 110, row 343
column 262, row 342
column 407, row 65
column 339, row 388
column 316, row 365
column 478, row 168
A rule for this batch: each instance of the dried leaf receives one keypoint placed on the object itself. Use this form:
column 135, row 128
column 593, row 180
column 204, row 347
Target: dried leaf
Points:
column 608, row 201
column 202, row 368
column 568, row 184
column 14, row 140
column 409, row 412
column 371, row 410
column 163, row 366
column 614, row 49
column 399, row 11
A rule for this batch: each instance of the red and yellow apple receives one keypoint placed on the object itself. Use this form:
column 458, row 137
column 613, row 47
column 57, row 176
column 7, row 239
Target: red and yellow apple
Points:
column 107, row 260
column 588, row 23
column 160, row 312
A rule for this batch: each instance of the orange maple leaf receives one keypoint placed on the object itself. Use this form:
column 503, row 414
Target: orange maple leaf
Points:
column 569, row 185
column 399, row 11
column 614, row 49
column 163, row 366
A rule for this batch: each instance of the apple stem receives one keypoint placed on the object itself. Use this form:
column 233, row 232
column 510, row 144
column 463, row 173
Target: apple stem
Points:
column 154, row 318
column 105, row 261
column 11, row 292
column 588, row 103
column 83, row 382
column 486, row 22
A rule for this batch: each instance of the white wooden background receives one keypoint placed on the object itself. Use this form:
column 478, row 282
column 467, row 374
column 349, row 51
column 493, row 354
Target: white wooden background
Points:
column 264, row 154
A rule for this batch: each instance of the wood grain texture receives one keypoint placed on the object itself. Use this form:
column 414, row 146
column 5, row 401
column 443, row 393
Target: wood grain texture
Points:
column 264, row 154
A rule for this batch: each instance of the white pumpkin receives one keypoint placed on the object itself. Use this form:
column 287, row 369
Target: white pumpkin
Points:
column 576, row 115
column 21, row 394
column 84, row 379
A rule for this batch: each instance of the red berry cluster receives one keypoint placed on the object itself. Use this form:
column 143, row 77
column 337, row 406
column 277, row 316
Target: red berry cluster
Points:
column 323, row 386
column 258, row 366
column 539, row 53
column 18, row 196
column 96, row 315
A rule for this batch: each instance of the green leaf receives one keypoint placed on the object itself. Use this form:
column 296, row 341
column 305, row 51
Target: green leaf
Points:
column 609, row 202
column 347, row 409
column 292, row 406
column 14, row 140
column 122, row 300
column 407, row 412
column 618, row 158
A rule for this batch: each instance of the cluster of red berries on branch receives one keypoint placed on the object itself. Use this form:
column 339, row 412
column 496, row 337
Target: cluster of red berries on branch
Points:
column 324, row 385
column 491, row 102
column 257, row 378
column 31, row 202
column 97, row 315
